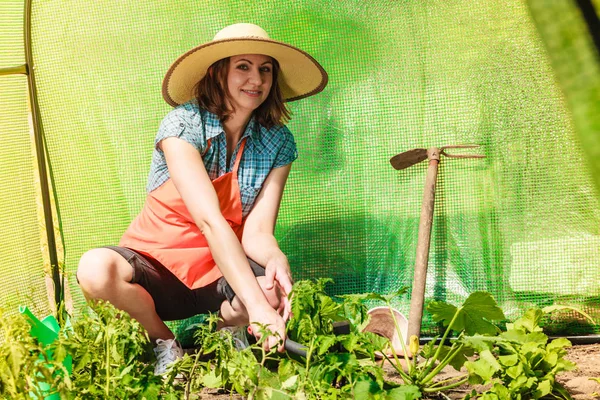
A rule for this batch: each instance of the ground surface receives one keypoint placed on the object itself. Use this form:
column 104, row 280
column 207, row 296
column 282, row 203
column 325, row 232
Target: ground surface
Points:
column 577, row 382
column 587, row 358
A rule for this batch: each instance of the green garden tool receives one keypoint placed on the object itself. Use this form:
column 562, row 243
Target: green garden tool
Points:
column 403, row 161
column 46, row 332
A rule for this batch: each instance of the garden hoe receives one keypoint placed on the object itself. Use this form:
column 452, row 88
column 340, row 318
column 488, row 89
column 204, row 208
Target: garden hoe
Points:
column 403, row 161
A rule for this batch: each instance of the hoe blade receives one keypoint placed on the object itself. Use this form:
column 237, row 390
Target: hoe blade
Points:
column 408, row 158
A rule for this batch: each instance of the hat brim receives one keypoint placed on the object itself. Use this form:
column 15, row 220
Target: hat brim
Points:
column 300, row 75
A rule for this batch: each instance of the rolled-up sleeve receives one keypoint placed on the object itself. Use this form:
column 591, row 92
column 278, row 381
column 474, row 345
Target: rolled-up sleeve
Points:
column 288, row 151
column 184, row 124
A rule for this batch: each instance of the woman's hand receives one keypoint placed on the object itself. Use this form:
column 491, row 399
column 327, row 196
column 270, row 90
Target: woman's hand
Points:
column 279, row 277
column 272, row 321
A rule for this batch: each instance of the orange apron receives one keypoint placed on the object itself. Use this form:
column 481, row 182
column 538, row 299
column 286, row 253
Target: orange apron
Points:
column 166, row 231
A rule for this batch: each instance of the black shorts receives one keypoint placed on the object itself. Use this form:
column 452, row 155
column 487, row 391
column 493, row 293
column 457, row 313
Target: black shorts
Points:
column 173, row 300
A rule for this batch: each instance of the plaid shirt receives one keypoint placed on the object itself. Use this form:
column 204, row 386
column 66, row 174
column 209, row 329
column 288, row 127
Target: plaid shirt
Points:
column 265, row 149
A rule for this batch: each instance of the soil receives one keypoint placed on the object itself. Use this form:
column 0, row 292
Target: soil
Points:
column 577, row 382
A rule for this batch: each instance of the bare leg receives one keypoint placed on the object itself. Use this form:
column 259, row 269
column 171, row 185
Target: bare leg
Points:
column 105, row 275
column 235, row 314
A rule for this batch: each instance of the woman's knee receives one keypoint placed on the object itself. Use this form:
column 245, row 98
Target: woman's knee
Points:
column 99, row 269
column 272, row 295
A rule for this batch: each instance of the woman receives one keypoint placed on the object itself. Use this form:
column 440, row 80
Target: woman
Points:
column 204, row 239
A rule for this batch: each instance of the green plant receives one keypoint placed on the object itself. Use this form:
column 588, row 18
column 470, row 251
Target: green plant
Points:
column 351, row 365
column 26, row 366
column 110, row 356
column 429, row 360
column 334, row 367
column 520, row 363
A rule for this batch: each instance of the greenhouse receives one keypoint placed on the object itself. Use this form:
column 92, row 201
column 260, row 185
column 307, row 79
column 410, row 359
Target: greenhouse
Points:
column 448, row 168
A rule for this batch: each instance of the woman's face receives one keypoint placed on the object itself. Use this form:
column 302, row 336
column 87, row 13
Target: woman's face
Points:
column 249, row 81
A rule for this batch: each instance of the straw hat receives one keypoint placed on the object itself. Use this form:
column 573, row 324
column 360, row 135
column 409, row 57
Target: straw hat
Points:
column 300, row 75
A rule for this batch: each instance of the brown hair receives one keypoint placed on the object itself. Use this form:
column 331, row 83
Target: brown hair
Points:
column 212, row 95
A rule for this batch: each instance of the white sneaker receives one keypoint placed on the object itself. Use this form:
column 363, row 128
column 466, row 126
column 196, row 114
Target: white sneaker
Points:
column 167, row 352
column 238, row 334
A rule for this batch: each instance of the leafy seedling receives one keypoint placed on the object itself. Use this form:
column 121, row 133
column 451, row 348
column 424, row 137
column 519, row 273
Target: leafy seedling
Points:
column 335, row 366
column 472, row 317
column 520, row 363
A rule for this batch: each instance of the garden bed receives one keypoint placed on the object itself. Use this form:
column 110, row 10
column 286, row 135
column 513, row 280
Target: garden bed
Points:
column 106, row 354
column 587, row 358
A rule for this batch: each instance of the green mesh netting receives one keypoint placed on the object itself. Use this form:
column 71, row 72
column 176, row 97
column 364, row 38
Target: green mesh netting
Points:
column 523, row 223
column 576, row 66
column 21, row 261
